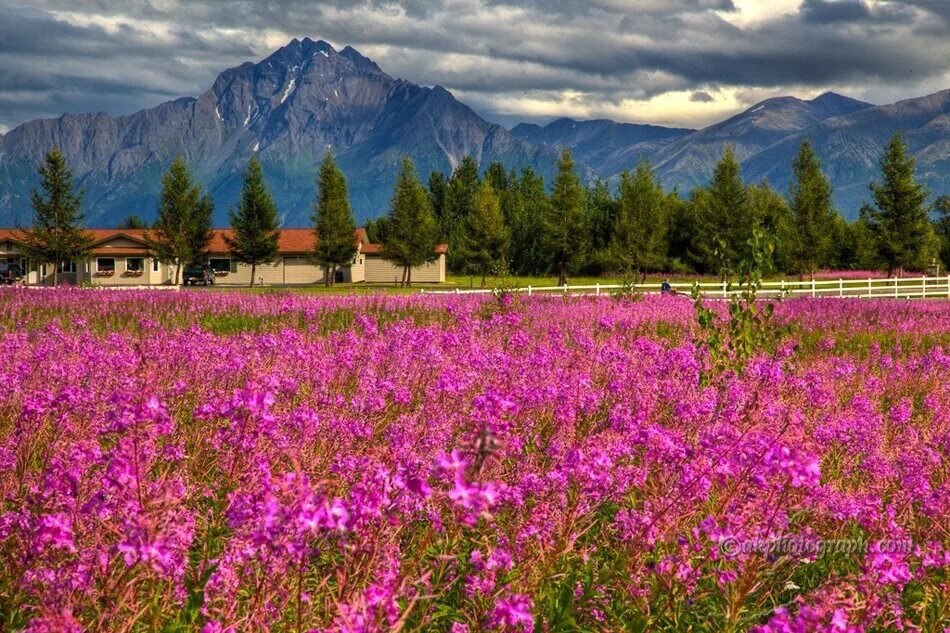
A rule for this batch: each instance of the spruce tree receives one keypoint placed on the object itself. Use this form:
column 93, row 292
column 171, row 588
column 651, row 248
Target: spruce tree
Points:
column 255, row 222
column 564, row 225
column 182, row 232
column 459, row 202
column 941, row 210
column 485, row 240
column 603, row 211
column 437, row 189
column 411, row 233
column 497, row 176
column 726, row 219
column 133, row 222
column 56, row 235
column 639, row 239
column 774, row 216
column 812, row 212
column 904, row 234
column 334, row 225
column 530, row 207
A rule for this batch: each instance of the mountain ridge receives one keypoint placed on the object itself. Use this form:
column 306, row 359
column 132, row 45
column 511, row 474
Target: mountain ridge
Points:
column 289, row 108
column 849, row 136
column 306, row 98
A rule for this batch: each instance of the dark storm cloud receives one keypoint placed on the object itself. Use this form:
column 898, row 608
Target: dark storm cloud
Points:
column 834, row 10
column 81, row 55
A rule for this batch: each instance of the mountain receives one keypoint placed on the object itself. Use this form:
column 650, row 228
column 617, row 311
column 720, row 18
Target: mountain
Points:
column 307, row 98
column 606, row 146
column 850, row 148
column 688, row 162
column 304, row 99
column 849, row 137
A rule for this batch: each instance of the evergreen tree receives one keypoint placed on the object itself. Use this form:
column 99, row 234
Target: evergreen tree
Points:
column 602, row 210
column 485, row 240
column 526, row 255
column 201, row 232
column 133, row 222
column 904, row 234
column 812, row 213
column 437, row 189
column 182, row 231
column 682, row 252
column 564, row 226
column 376, row 230
column 941, row 210
column 497, row 176
column 56, row 236
column 255, row 222
column 774, row 216
column 411, row 233
column 334, row 225
column 459, row 202
column 640, row 237
column 726, row 220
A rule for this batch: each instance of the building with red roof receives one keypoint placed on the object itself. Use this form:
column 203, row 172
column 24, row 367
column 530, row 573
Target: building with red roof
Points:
column 121, row 257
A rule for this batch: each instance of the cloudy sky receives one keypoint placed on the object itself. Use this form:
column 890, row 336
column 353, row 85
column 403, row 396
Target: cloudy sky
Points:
column 674, row 62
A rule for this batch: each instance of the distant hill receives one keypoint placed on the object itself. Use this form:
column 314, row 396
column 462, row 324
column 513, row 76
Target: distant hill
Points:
column 606, row 146
column 689, row 161
column 304, row 99
column 849, row 136
column 850, row 148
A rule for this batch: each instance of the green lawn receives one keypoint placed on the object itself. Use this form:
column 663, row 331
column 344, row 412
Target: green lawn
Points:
column 452, row 282
column 464, row 282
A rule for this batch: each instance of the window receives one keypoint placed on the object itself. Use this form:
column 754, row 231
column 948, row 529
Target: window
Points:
column 104, row 264
column 222, row 265
column 154, row 264
column 66, row 267
column 134, row 264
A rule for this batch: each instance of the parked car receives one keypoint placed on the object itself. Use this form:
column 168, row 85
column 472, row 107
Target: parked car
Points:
column 199, row 274
column 10, row 273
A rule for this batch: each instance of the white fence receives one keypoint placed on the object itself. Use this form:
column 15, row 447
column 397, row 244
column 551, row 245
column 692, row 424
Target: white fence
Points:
column 903, row 288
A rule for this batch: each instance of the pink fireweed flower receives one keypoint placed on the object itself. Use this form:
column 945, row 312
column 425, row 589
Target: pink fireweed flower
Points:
column 513, row 613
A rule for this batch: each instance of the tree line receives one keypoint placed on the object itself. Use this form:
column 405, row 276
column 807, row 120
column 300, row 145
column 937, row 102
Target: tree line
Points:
column 502, row 221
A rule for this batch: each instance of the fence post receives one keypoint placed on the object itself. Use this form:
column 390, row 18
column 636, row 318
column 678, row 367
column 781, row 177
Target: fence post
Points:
column 869, row 287
column 783, row 287
column 529, row 291
column 724, row 295
column 456, row 291
column 598, row 289
column 923, row 282
column 895, row 287
column 812, row 287
column 840, row 287
column 565, row 287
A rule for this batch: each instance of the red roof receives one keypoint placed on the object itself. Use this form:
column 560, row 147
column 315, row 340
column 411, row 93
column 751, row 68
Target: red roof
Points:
column 292, row 241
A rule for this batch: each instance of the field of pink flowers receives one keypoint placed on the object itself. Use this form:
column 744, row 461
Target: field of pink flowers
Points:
column 227, row 462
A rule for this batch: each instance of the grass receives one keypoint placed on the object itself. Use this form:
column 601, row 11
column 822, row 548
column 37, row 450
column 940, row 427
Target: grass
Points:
column 464, row 282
